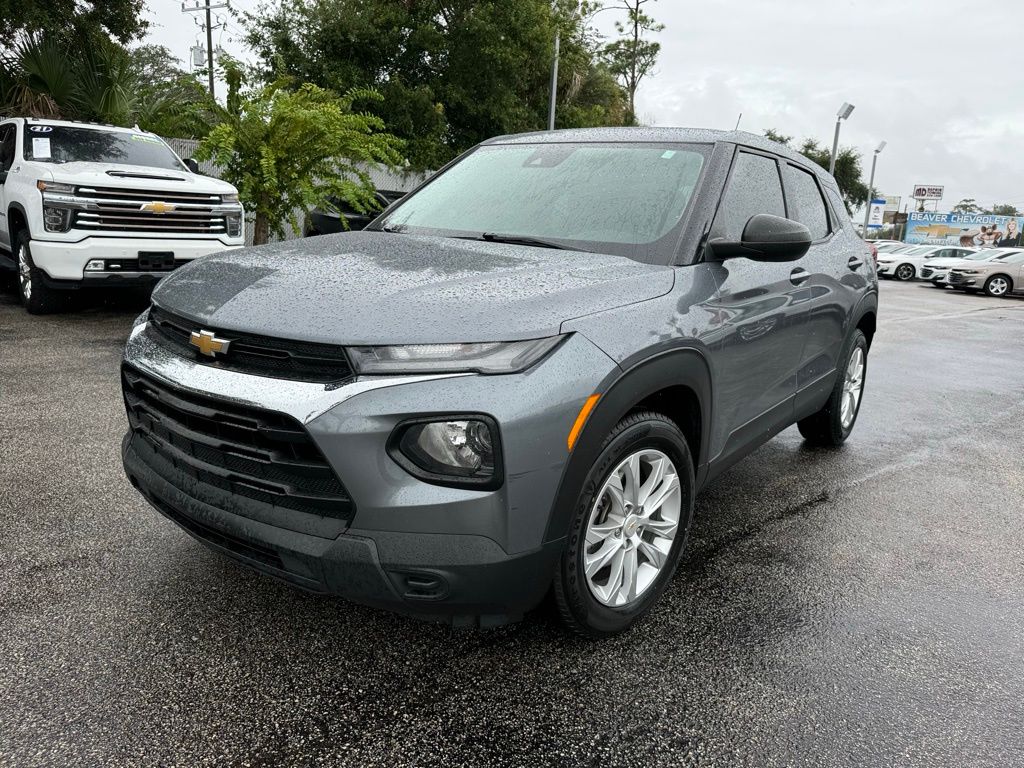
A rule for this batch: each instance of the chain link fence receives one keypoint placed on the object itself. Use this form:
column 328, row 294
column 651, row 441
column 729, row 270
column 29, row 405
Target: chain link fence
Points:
column 381, row 177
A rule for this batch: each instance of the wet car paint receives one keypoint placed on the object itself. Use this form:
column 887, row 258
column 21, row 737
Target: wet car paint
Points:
column 861, row 607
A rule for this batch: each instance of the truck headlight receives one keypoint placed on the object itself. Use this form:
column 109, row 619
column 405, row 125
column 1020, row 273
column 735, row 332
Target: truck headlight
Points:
column 460, row 451
column 56, row 219
column 482, row 357
column 234, row 224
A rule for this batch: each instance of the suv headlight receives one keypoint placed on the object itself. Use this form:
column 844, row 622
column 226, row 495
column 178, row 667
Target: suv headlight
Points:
column 483, row 357
column 457, row 451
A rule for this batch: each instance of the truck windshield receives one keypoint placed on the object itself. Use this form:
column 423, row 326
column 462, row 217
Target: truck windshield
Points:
column 623, row 199
column 68, row 144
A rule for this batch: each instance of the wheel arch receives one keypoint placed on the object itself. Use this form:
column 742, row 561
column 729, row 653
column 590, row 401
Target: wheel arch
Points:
column 1003, row 275
column 867, row 317
column 17, row 219
column 675, row 383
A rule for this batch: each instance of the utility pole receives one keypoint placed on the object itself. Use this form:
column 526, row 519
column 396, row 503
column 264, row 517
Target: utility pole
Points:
column 207, row 7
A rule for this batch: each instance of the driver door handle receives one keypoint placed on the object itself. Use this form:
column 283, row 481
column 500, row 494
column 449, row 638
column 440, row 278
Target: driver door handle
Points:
column 854, row 263
column 798, row 276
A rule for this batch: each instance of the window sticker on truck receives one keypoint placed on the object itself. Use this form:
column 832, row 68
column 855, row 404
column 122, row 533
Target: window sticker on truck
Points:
column 40, row 148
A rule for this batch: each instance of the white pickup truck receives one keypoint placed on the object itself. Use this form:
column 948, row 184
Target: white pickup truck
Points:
column 94, row 205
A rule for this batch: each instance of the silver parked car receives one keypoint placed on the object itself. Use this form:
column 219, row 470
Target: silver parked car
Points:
column 1000, row 276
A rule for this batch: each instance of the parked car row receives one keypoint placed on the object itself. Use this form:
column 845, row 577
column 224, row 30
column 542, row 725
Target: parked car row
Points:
column 996, row 271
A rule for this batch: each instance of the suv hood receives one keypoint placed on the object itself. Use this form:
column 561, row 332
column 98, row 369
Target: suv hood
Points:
column 381, row 288
column 135, row 177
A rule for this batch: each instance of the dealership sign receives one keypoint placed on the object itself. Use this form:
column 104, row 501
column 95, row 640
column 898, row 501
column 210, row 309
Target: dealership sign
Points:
column 876, row 214
column 927, row 192
column 970, row 230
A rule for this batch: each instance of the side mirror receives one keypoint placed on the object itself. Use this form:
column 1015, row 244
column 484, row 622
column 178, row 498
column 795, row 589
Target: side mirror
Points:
column 192, row 165
column 766, row 238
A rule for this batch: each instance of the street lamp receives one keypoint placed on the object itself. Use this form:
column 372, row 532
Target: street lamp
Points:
column 843, row 113
column 871, row 186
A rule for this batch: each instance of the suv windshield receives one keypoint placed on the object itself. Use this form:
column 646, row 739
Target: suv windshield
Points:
column 67, row 144
column 624, row 199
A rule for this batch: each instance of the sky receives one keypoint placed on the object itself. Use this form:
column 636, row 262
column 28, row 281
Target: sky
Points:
column 941, row 81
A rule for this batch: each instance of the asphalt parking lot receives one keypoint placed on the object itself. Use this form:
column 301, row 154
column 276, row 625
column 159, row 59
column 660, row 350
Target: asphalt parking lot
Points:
column 859, row 607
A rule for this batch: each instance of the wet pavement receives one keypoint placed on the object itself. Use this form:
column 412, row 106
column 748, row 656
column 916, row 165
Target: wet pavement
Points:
column 854, row 607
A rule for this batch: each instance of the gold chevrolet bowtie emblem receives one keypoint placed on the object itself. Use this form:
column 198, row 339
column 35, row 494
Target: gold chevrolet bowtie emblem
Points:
column 158, row 207
column 208, row 344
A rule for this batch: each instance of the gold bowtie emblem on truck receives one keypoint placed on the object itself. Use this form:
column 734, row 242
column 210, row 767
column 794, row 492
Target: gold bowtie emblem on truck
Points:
column 158, row 207
column 208, row 344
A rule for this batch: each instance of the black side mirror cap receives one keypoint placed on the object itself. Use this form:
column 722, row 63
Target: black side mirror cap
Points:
column 192, row 165
column 766, row 238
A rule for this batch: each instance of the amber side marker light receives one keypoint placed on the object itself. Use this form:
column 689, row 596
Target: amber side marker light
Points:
column 588, row 406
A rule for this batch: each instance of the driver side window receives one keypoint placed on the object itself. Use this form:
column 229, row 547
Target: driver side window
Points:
column 7, row 136
column 754, row 187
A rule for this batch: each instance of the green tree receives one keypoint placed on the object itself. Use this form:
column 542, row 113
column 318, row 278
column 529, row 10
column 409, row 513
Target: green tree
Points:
column 74, row 19
column 103, row 82
column 289, row 149
column 967, row 206
column 1004, row 209
column 450, row 73
column 633, row 56
column 848, row 174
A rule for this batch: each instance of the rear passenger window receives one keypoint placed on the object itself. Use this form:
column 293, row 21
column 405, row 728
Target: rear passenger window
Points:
column 806, row 203
column 754, row 188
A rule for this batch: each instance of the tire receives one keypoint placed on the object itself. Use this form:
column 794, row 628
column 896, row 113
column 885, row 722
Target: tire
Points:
column 36, row 296
column 830, row 426
column 998, row 286
column 905, row 272
column 636, row 548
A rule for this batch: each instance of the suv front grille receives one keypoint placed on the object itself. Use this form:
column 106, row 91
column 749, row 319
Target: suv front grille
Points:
column 236, row 449
column 121, row 210
column 257, row 355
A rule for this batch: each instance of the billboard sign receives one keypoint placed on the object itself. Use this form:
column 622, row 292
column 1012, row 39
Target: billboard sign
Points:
column 927, row 192
column 892, row 202
column 876, row 214
column 971, row 230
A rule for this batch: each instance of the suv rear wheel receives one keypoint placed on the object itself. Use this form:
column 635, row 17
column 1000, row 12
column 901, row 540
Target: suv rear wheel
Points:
column 36, row 296
column 834, row 422
column 629, row 527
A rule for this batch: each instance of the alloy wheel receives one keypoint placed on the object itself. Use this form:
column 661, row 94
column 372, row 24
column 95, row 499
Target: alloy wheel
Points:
column 853, row 387
column 24, row 273
column 631, row 528
column 998, row 286
column 904, row 272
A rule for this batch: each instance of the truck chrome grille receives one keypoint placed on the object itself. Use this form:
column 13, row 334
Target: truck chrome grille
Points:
column 122, row 210
column 233, row 449
column 253, row 354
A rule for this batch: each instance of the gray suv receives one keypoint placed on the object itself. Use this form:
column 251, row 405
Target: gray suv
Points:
column 514, row 382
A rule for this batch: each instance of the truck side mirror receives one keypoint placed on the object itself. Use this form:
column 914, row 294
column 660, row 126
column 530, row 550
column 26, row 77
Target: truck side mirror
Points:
column 192, row 165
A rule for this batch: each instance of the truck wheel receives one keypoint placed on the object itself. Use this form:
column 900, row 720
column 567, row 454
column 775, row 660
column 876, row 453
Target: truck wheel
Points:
column 36, row 296
column 834, row 422
column 629, row 527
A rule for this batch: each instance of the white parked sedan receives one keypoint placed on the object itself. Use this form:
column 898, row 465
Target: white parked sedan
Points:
column 937, row 270
column 908, row 264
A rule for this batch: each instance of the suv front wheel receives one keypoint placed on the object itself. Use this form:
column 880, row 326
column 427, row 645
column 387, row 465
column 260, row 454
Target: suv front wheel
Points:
column 36, row 296
column 629, row 527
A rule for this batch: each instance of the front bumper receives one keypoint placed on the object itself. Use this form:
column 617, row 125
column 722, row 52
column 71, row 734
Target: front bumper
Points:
column 467, row 556
column 884, row 269
column 66, row 261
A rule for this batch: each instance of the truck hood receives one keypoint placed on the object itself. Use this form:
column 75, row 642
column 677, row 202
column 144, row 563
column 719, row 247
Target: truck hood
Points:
column 135, row 177
column 382, row 288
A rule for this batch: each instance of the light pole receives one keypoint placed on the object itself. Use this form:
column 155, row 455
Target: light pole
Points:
column 554, row 81
column 842, row 114
column 871, row 186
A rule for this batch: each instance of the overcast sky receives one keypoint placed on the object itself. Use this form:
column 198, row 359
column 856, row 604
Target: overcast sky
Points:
column 942, row 81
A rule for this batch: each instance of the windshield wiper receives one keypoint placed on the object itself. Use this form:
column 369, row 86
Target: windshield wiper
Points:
column 498, row 237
